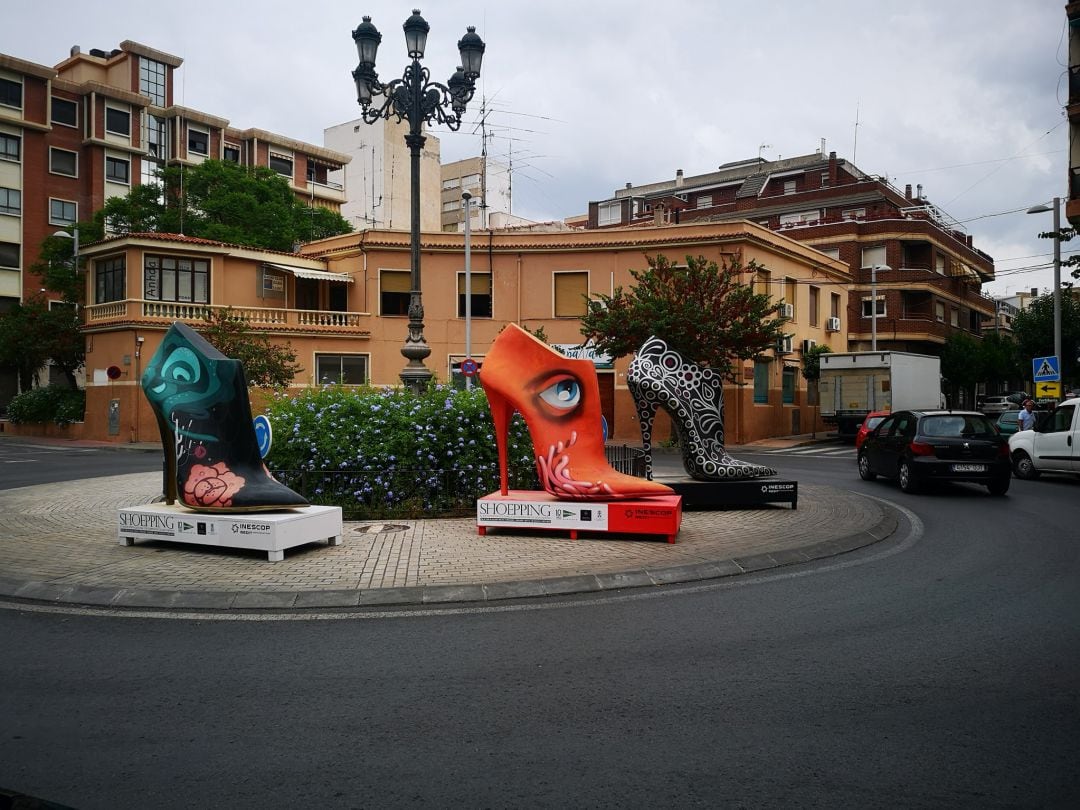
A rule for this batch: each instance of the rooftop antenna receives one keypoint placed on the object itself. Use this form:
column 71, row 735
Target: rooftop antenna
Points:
column 762, row 148
column 855, row 145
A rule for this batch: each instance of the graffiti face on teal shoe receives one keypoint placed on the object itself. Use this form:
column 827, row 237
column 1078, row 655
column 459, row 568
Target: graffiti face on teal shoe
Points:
column 178, row 376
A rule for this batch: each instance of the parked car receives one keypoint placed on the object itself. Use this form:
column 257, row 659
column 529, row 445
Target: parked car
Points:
column 872, row 420
column 995, row 405
column 1007, row 423
column 920, row 448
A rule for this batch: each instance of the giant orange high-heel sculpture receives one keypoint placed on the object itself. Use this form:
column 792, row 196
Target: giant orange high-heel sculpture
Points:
column 560, row 400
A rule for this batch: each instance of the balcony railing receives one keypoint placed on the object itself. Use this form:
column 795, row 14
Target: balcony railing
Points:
column 271, row 318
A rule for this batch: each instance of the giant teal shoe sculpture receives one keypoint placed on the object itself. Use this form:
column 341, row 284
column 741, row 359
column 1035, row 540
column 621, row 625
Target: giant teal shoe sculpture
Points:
column 200, row 399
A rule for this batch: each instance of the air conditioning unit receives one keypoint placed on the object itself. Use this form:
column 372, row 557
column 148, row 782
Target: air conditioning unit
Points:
column 783, row 345
column 808, row 344
column 832, row 325
column 787, row 311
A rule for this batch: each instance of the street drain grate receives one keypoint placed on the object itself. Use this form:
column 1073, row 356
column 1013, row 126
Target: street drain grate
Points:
column 380, row 528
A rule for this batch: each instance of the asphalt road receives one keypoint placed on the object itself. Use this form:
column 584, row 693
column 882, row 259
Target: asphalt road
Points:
column 938, row 669
column 24, row 464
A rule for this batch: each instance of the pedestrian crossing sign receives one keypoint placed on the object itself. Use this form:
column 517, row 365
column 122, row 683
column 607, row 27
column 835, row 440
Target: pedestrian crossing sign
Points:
column 1045, row 369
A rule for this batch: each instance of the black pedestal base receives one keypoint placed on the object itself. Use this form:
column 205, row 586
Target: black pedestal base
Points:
column 747, row 494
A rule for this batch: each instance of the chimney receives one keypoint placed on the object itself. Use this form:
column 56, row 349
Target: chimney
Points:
column 918, row 191
column 907, row 191
column 678, row 178
column 629, row 186
column 75, row 50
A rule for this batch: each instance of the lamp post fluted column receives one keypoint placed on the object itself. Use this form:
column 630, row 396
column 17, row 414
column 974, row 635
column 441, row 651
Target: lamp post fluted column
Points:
column 416, row 99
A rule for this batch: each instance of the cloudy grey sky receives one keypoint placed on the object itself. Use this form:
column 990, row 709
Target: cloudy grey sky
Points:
column 965, row 98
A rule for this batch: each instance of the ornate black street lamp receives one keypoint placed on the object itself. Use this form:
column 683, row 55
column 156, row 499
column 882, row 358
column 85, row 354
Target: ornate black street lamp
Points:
column 416, row 99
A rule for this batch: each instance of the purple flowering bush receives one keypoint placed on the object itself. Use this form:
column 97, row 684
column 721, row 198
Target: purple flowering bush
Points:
column 389, row 452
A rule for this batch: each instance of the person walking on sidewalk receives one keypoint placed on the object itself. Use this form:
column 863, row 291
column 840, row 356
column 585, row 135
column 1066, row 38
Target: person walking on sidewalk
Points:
column 1026, row 418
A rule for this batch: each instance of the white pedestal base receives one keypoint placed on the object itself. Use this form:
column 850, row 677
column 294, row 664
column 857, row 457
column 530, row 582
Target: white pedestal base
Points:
column 272, row 532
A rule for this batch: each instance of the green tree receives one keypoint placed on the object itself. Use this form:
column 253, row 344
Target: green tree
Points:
column 224, row 201
column 961, row 363
column 1000, row 360
column 1033, row 329
column 811, row 363
column 708, row 313
column 26, row 338
column 266, row 364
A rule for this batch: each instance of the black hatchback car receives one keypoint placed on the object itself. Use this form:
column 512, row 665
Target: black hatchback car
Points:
column 920, row 447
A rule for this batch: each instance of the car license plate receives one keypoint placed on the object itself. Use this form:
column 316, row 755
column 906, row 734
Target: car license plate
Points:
column 969, row 468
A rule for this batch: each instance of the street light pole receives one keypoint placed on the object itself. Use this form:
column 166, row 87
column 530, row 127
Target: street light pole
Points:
column 1041, row 209
column 873, row 303
column 416, row 99
column 467, row 197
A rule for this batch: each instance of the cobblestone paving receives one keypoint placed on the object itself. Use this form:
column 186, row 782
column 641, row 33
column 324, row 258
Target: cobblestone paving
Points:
column 66, row 534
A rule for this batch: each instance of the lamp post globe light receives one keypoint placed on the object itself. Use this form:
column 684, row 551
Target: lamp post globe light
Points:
column 1042, row 209
column 416, row 99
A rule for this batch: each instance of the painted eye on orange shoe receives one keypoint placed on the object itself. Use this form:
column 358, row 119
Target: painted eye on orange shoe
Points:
column 561, row 396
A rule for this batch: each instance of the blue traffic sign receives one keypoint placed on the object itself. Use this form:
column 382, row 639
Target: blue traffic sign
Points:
column 264, row 434
column 1045, row 369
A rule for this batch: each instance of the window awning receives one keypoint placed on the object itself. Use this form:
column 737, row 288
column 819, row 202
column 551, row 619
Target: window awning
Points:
column 318, row 275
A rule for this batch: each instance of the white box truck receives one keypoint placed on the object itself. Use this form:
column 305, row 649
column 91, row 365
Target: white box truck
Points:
column 852, row 384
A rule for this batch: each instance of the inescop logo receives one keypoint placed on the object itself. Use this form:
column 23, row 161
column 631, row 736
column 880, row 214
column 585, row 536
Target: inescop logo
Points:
column 251, row 528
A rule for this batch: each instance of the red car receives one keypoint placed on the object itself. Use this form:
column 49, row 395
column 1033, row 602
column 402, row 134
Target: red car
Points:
column 872, row 420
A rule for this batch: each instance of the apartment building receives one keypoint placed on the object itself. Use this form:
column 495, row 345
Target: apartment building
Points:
column 342, row 304
column 488, row 181
column 378, row 174
column 932, row 286
column 99, row 123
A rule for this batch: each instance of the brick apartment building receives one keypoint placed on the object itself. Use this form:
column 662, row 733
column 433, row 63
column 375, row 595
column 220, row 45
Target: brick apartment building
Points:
column 932, row 287
column 96, row 125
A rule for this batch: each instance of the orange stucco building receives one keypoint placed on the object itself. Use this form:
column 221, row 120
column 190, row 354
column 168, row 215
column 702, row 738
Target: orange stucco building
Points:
column 341, row 303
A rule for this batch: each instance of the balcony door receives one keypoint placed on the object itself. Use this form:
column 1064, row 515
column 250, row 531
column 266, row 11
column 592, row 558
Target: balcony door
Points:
column 307, row 293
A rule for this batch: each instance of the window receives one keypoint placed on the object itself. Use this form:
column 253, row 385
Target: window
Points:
column 10, row 147
column 344, row 369
column 872, row 256
column 800, row 218
column 11, row 93
column 10, row 201
column 63, row 212
column 470, row 181
column 851, row 214
column 168, row 278
column 451, row 183
column 761, row 283
column 231, row 152
column 282, row 164
column 394, row 288
column 831, row 252
column 704, row 201
column 480, row 284
column 152, row 80
column 824, row 179
column 198, row 141
column 814, row 296
column 867, row 311
column 109, row 280
column 61, row 161
column 9, row 254
column 609, row 213
column 452, row 205
column 65, row 112
column 954, row 316
column 1062, row 420
column 939, row 264
column 157, row 144
column 571, row 290
column 117, row 170
column 788, row 386
column 834, row 305
column 789, row 186
column 790, row 292
column 761, row 383
column 117, row 121
column 939, row 312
